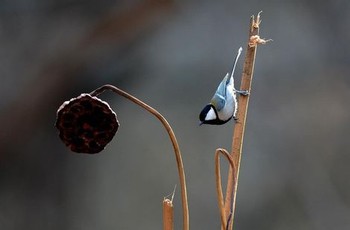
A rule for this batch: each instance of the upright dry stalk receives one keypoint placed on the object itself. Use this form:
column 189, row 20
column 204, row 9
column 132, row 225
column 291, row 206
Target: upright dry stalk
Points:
column 172, row 137
column 238, row 132
column 168, row 214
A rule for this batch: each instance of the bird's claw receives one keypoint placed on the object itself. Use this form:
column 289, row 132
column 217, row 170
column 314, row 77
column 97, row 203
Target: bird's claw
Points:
column 243, row 92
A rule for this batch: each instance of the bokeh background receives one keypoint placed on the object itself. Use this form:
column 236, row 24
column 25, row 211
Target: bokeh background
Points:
column 172, row 54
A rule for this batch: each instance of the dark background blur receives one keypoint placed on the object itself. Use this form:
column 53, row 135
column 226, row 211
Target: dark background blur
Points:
column 172, row 54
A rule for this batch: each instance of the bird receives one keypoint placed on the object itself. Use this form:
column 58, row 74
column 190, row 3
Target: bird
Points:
column 223, row 105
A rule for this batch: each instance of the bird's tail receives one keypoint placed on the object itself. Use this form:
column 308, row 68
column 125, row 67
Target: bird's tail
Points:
column 235, row 62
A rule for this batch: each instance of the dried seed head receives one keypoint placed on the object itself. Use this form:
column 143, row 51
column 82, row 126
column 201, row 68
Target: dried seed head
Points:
column 86, row 124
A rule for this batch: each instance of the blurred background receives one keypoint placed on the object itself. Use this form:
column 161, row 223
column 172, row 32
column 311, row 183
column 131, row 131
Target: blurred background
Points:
column 172, row 54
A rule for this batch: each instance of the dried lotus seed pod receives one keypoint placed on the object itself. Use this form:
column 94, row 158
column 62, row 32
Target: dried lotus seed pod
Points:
column 86, row 124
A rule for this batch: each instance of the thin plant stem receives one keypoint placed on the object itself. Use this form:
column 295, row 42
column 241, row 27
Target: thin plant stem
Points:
column 224, row 221
column 238, row 132
column 171, row 136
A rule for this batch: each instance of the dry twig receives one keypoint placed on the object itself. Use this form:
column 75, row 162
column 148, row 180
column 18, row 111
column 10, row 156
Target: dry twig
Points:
column 228, row 211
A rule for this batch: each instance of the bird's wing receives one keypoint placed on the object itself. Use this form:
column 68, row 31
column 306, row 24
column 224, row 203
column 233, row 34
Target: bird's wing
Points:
column 219, row 98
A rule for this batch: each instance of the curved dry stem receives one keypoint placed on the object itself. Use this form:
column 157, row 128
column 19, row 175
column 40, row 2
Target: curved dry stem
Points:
column 224, row 221
column 172, row 138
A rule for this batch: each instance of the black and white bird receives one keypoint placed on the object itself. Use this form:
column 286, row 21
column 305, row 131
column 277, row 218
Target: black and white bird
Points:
column 223, row 105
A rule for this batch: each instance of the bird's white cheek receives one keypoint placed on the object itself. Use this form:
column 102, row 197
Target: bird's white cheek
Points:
column 210, row 115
